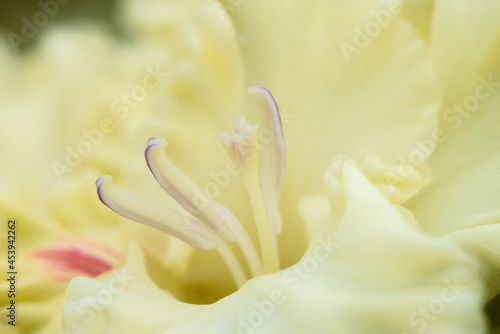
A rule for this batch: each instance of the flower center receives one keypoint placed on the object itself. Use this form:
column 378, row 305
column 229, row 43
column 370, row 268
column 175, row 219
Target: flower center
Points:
column 206, row 224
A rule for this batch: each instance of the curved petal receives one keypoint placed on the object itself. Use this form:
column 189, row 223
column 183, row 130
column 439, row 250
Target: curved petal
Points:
column 471, row 45
column 334, row 103
column 465, row 191
column 482, row 242
column 372, row 273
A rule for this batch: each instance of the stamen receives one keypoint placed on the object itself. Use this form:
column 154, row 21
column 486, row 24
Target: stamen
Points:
column 205, row 223
column 242, row 149
column 188, row 229
column 191, row 231
column 273, row 155
column 232, row 262
column 192, row 198
column 246, row 244
column 186, row 192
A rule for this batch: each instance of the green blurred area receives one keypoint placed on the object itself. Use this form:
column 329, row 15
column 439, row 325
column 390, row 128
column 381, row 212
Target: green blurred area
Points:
column 14, row 14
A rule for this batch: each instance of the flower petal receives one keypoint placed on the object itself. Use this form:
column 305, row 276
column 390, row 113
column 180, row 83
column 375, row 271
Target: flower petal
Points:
column 465, row 191
column 330, row 105
column 372, row 273
column 466, row 187
column 334, row 104
column 482, row 242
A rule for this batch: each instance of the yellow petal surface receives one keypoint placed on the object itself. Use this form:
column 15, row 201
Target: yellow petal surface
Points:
column 372, row 273
column 465, row 191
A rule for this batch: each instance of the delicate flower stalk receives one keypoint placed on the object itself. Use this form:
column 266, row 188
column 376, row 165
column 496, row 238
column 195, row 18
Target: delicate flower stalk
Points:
column 191, row 230
column 232, row 262
column 267, row 237
column 243, row 149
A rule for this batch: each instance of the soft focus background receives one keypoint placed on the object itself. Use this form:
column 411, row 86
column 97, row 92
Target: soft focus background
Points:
column 103, row 11
column 13, row 11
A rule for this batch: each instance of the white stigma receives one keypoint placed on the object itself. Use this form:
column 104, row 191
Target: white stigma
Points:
column 242, row 147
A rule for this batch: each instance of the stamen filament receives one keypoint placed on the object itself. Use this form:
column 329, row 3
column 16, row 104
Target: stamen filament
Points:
column 231, row 262
column 192, row 198
column 185, row 191
column 248, row 249
column 267, row 239
column 188, row 229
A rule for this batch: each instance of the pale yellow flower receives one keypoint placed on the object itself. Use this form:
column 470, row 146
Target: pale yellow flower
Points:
column 368, row 267
column 53, row 99
column 376, row 254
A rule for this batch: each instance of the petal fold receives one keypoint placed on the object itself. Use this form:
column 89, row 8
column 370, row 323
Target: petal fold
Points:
column 368, row 270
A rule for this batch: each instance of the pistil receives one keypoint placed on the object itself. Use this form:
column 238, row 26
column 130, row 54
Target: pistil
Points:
column 243, row 148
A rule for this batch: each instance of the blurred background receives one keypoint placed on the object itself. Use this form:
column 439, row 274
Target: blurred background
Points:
column 15, row 14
